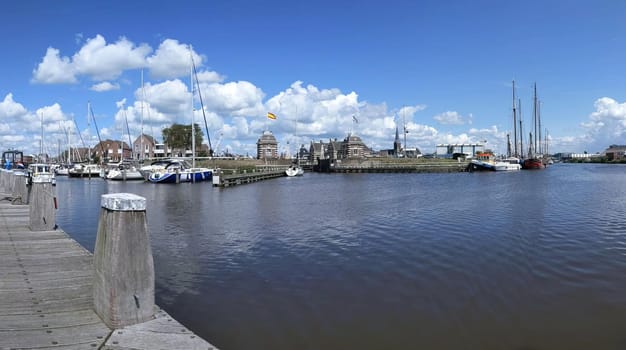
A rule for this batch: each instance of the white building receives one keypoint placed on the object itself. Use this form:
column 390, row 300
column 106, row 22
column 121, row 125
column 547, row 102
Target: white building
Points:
column 465, row 149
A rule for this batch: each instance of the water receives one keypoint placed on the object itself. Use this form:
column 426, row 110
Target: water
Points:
column 523, row 260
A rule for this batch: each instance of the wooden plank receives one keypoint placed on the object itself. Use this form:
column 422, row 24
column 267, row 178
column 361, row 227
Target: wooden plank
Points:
column 84, row 335
column 161, row 333
column 46, row 296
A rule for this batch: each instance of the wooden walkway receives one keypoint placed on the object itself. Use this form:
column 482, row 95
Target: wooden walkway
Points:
column 46, row 297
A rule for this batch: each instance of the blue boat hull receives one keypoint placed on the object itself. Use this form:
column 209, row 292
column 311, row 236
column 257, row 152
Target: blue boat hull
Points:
column 183, row 176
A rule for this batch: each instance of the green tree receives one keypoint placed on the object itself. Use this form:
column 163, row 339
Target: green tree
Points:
column 178, row 136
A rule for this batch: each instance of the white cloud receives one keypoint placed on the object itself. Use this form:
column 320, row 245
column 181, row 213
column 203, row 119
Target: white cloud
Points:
column 449, row 118
column 104, row 86
column 606, row 125
column 54, row 69
column 102, row 61
column 172, row 60
column 9, row 109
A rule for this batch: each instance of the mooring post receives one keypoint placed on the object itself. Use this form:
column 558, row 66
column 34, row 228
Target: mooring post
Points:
column 42, row 207
column 123, row 289
column 20, row 188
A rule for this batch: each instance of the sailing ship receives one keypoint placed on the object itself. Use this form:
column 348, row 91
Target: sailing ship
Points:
column 181, row 171
column 535, row 160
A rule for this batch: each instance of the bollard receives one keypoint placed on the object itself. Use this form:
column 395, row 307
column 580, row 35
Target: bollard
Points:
column 41, row 198
column 216, row 176
column 123, row 289
column 20, row 188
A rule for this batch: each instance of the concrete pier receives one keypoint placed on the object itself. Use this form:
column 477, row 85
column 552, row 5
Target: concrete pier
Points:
column 47, row 291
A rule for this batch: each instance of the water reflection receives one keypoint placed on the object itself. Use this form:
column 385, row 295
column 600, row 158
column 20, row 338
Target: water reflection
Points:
column 527, row 260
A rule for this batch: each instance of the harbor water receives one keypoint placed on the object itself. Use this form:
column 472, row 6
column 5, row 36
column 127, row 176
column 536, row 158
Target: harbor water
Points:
column 521, row 260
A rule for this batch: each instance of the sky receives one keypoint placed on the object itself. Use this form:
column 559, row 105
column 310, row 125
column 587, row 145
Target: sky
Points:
column 324, row 68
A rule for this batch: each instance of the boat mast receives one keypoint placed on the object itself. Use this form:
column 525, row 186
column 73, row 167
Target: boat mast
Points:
column 534, row 141
column 515, row 153
column 141, row 156
column 521, row 132
column 405, row 131
column 41, row 142
column 540, row 139
column 193, row 131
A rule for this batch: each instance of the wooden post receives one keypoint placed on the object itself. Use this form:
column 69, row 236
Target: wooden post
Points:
column 123, row 289
column 42, row 211
column 20, row 188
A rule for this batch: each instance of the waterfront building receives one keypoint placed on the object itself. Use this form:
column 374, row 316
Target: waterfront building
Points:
column 267, row 146
column 353, row 147
column 615, row 152
column 147, row 143
column 466, row 150
column 111, row 151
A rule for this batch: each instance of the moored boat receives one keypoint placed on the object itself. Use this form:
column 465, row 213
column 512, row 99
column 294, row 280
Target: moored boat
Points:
column 533, row 164
column 122, row 171
column 178, row 171
column 39, row 172
column 294, row 170
column 85, row 170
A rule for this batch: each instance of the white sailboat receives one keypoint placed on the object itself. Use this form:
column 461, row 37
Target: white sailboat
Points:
column 295, row 169
column 175, row 171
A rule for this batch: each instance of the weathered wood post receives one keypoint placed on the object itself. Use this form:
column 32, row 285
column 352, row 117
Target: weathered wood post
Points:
column 21, row 188
column 42, row 209
column 123, row 289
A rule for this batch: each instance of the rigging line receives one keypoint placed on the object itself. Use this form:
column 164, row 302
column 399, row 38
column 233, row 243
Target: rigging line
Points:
column 97, row 131
column 130, row 143
column 206, row 126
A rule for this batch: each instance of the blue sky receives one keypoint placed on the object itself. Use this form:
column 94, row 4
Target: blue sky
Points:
column 445, row 67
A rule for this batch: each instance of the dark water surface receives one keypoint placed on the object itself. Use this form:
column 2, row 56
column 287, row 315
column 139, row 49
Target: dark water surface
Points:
column 524, row 260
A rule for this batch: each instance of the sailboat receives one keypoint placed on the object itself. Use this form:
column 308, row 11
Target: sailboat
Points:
column 534, row 160
column 124, row 170
column 295, row 169
column 177, row 171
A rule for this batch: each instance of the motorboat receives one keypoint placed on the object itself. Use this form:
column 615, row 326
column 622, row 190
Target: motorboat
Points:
column 176, row 171
column 39, row 172
column 294, row 170
column 85, row 170
column 122, row 171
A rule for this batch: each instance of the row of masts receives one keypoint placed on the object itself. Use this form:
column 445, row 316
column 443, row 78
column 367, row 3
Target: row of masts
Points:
column 536, row 147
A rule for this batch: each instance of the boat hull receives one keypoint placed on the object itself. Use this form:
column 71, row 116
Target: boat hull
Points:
column 533, row 164
column 181, row 176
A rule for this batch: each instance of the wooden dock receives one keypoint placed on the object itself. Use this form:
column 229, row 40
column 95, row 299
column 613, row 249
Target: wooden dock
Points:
column 46, row 295
column 220, row 179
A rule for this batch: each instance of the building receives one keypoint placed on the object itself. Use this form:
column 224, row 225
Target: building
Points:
column 267, row 146
column 111, row 151
column 147, row 143
column 615, row 152
column 459, row 150
column 353, row 147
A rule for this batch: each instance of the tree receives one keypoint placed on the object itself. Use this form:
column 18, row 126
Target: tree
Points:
column 178, row 136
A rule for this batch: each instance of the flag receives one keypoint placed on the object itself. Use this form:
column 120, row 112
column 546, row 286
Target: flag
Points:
column 354, row 119
column 271, row 115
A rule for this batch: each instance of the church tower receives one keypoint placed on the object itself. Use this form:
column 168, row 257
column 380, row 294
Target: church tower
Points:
column 397, row 146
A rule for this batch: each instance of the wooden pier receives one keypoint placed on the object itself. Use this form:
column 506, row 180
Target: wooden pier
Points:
column 47, row 293
column 221, row 179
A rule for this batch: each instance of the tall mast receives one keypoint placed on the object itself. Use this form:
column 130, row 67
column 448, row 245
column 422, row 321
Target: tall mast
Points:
column 141, row 156
column 515, row 153
column 540, row 140
column 405, row 132
column 193, row 131
column 521, row 132
column 41, row 143
column 534, row 140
